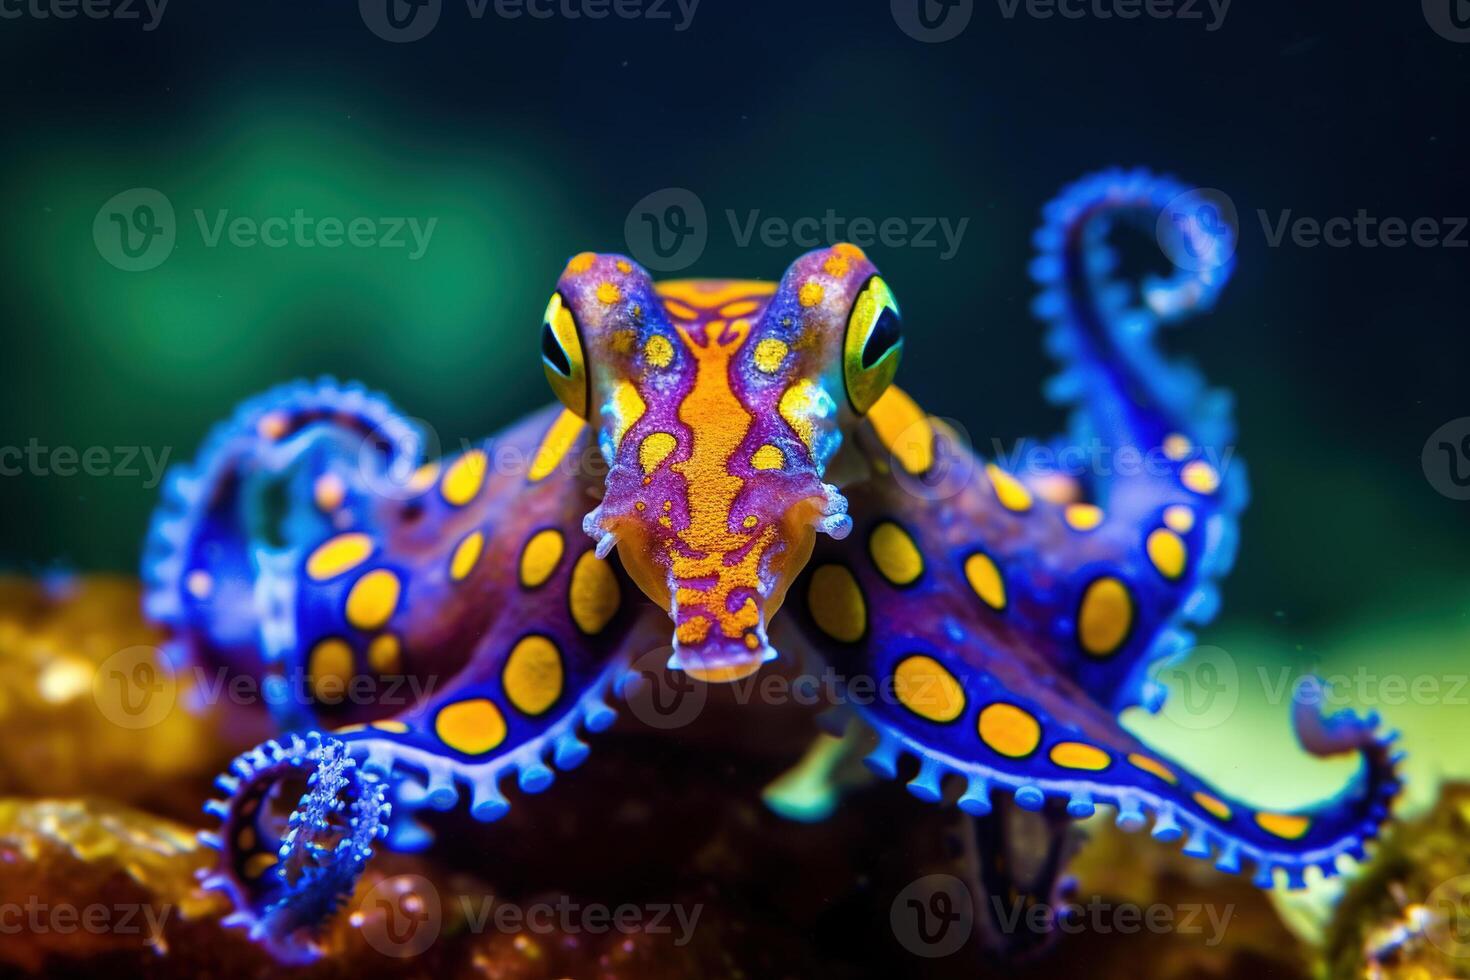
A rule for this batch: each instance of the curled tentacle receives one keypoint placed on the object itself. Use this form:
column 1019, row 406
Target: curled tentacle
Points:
column 286, row 878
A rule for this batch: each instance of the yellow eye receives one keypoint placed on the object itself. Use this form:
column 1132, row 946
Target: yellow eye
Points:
column 873, row 346
column 561, row 356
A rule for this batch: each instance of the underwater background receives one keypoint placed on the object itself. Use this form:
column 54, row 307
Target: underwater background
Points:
column 524, row 140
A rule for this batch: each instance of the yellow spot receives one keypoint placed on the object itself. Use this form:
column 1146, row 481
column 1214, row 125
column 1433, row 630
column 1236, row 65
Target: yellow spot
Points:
column 608, row 293
column 769, row 354
column 593, row 595
column 341, row 554
column 394, row 727
column 1288, row 826
column 423, row 478
column 1106, row 616
column 1011, row 492
column 904, row 430
column 800, row 405
column 540, row 557
column 693, row 630
column 624, row 267
column 768, row 457
column 1154, row 767
column 1177, row 447
column 654, row 449
column 811, row 294
column 658, row 351
column 895, row 554
column 1167, row 552
column 665, row 522
column 464, row 478
column 466, row 553
column 928, row 690
column 1083, row 517
column 555, row 445
column 850, row 250
column 836, row 265
column 329, row 491
column 273, row 425
column 985, row 579
column 1009, row 730
column 384, row 654
column 581, row 262
column 1180, row 518
column 330, row 668
column 373, row 599
column 679, row 311
column 742, row 307
column 473, row 727
column 1078, row 755
column 1200, row 477
column 622, row 341
column 750, row 521
column 836, row 604
column 1213, row 805
column 627, row 408
column 532, row 677
column 199, row 583
column 258, row 864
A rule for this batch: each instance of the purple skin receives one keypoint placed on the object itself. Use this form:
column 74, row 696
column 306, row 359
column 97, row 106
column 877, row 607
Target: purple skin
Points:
column 1008, row 617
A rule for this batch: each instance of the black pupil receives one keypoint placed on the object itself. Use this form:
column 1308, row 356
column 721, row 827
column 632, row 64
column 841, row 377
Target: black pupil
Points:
column 551, row 350
column 884, row 338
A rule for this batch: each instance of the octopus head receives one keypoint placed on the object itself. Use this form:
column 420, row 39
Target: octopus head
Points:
column 718, row 406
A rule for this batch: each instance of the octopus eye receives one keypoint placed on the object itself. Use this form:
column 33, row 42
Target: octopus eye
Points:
column 873, row 345
column 561, row 356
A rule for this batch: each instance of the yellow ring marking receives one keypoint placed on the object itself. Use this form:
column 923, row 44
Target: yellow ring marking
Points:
column 1213, row 805
column 928, row 689
column 1200, row 477
column 555, row 445
column 340, row 554
column 464, row 478
column 655, row 448
column 594, row 594
column 904, row 430
column 373, row 598
column 1106, row 616
column 986, row 580
column 384, row 654
column 608, row 293
column 769, row 354
column 658, row 351
column 1288, row 826
column 533, row 676
column 836, row 604
column 1009, row 730
column 1180, row 518
column 473, row 727
column 466, row 554
column 540, row 557
column 1083, row 517
column 1166, row 550
column 894, row 552
column 1011, row 492
column 1154, row 767
column 810, row 294
column 1079, row 755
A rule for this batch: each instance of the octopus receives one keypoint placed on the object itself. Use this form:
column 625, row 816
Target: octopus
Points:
column 428, row 631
